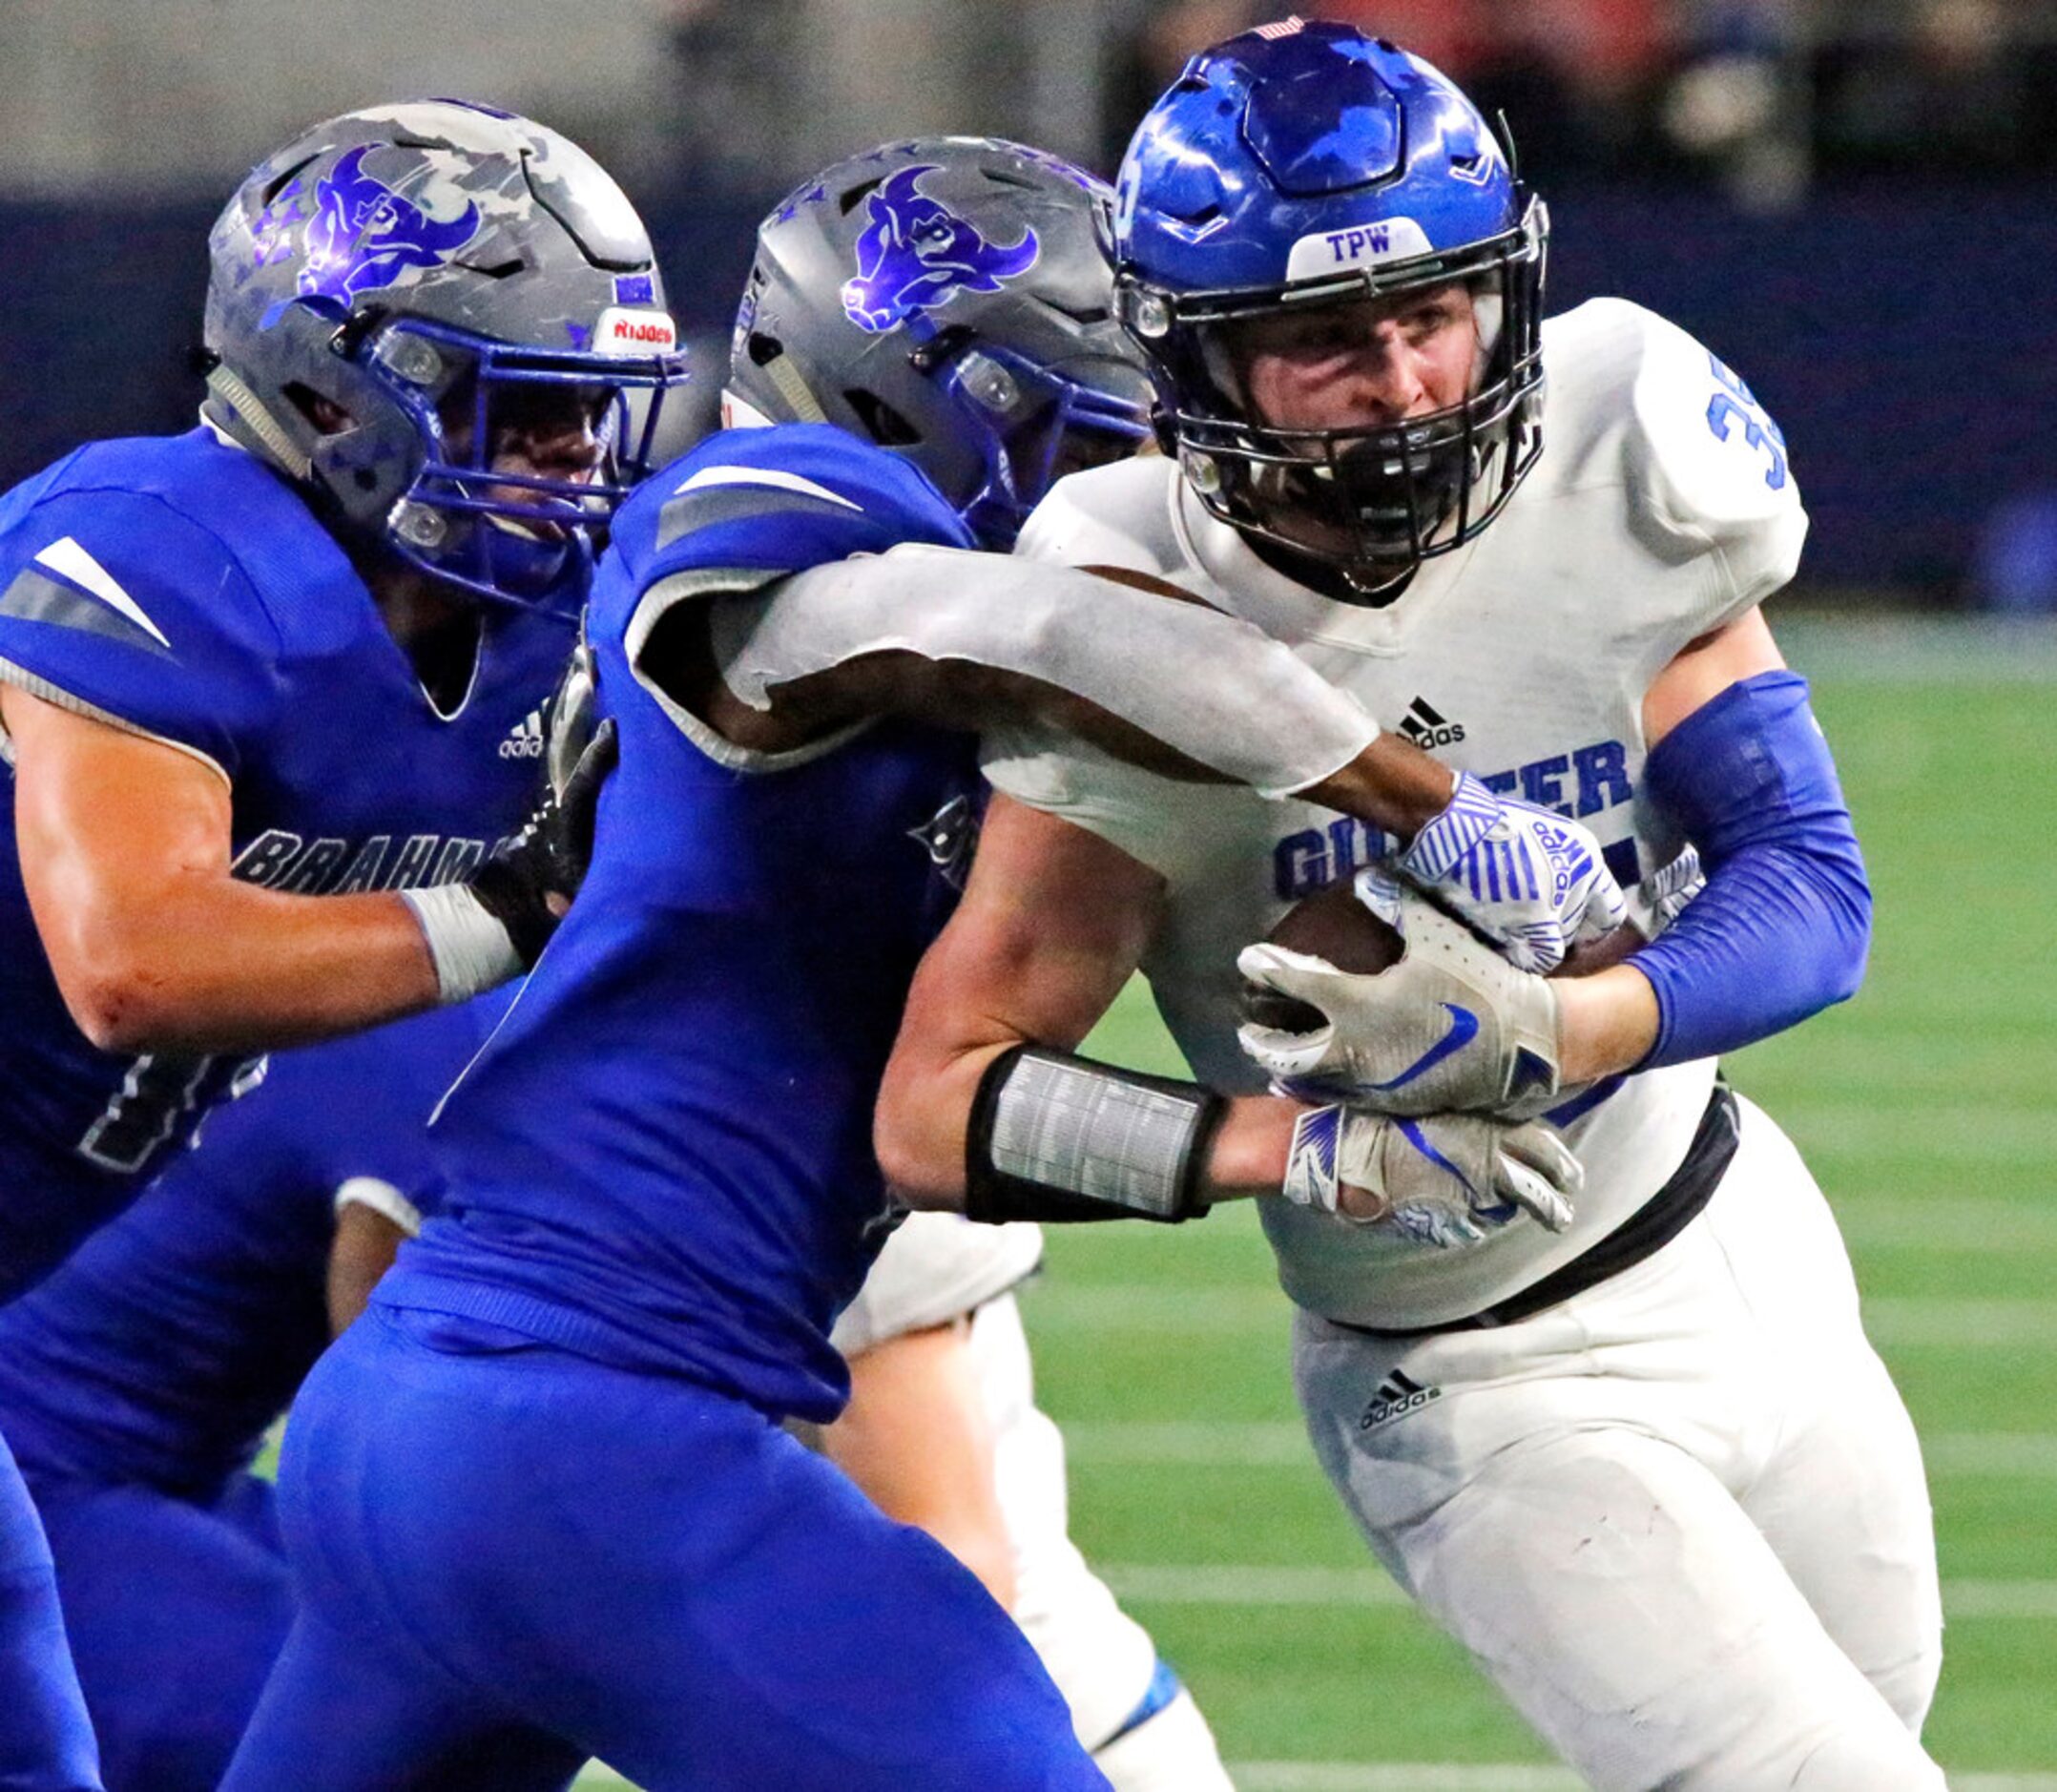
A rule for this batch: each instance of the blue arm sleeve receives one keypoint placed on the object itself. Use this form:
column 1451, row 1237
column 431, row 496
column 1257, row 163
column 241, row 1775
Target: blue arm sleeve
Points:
column 1782, row 928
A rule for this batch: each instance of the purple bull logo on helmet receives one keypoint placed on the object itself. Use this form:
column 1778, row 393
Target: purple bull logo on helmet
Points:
column 916, row 253
column 363, row 235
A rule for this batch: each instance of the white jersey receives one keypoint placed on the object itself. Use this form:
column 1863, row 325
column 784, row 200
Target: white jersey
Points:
column 1661, row 507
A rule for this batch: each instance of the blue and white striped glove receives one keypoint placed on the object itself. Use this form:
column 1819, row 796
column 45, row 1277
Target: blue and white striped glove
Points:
column 1528, row 880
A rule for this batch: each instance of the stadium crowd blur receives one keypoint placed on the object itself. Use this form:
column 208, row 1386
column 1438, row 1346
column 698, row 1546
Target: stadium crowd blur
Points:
column 1851, row 200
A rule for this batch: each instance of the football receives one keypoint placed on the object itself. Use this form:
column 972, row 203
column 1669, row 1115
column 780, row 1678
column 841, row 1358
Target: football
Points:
column 1333, row 926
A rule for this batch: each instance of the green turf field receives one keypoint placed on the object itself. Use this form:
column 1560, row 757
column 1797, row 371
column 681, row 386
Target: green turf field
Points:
column 1924, row 1110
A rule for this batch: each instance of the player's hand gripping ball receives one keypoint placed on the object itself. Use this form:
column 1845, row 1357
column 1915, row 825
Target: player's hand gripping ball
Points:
column 1448, row 1180
column 1527, row 879
column 1369, row 992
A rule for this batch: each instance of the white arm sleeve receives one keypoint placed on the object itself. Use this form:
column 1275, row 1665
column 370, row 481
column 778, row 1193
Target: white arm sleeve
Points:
column 1217, row 690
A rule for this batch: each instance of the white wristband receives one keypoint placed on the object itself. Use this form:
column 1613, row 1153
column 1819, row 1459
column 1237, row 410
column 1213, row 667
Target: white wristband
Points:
column 470, row 948
column 380, row 1197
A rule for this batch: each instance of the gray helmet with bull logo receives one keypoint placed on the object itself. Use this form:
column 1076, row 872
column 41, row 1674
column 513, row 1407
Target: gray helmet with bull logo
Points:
column 442, row 274
column 951, row 299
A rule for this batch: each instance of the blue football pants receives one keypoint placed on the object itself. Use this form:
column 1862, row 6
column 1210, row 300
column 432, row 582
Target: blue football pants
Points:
column 176, row 1611
column 509, row 1558
column 46, row 1740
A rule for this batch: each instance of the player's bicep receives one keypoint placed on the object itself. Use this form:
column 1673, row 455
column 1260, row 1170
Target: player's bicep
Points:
column 1053, row 922
column 1705, row 668
column 107, row 823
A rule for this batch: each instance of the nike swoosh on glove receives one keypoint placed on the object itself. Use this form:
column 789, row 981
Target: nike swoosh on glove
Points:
column 1448, row 1180
column 1451, row 1027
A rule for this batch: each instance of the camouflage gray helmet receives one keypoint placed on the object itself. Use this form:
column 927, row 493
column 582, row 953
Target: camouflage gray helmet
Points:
column 951, row 299
column 445, row 276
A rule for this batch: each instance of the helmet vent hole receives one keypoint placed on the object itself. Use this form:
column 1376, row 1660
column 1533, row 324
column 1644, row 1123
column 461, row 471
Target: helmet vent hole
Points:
column 1080, row 314
column 764, row 350
column 496, row 270
column 1008, row 178
column 846, row 201
column 280, row 181
column 366, row 479
column 882, row 423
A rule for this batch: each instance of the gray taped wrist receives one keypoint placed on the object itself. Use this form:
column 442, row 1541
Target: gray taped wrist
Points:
column 472, row 951
column 1060, row 1138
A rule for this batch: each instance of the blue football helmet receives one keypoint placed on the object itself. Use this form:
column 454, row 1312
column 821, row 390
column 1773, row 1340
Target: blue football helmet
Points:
column 401, row 289
column 1302, row 166
column 948, row 297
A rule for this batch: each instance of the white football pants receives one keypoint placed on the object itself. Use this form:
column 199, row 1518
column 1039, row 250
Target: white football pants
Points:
column 1679, row 1519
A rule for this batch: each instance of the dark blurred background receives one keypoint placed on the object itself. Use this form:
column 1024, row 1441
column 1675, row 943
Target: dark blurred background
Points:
column 1852, row 201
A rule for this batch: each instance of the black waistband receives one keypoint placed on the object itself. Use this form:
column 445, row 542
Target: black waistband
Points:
column 1654, row 1225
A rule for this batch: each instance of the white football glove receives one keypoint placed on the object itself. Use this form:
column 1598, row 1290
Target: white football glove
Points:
column 1451, row 1027
column 569, row 720
column 1530, row 881
column 1663, row 896
column 1446, row 1180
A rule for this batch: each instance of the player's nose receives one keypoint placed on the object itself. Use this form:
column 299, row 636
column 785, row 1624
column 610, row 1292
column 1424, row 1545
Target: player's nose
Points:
column 564, row 451
column 1388, row 377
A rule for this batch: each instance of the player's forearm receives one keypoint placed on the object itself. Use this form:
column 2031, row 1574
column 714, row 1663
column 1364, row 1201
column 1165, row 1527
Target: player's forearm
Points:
column 1606, row 1024
column 1392, row 784
column 220, row 965
column 1199, row 688
column 923, row 1115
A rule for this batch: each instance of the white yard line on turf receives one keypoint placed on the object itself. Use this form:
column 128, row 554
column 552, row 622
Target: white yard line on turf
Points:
column 1247, row 1584
column 1918, row 649
column 1269, row 1444
column 1962, row 1225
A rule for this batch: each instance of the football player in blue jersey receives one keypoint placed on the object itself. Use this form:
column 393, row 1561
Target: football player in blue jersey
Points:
column 138, row 1380
column 539, row 1502
column 299, row 652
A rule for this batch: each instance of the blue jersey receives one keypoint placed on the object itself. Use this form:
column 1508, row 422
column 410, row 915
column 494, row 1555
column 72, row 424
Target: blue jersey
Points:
column 663, row 1157
column 167, row 1342
column 178, row 588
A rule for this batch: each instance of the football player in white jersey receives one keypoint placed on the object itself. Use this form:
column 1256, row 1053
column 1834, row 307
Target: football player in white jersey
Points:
column 1646, row 1467
column 943, row 1430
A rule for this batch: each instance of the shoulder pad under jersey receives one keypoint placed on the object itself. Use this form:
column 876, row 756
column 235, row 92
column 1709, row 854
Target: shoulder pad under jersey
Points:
column 1119, row 514
column 773, row 500
column 1704, row 467
column 126, row 592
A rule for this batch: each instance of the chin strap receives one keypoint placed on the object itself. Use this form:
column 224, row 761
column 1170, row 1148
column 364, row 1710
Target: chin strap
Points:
column 247, row 416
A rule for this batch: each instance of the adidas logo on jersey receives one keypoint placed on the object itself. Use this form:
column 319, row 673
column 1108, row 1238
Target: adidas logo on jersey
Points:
column 1426, row 728
column 525, row 739
column 1397, row 1396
